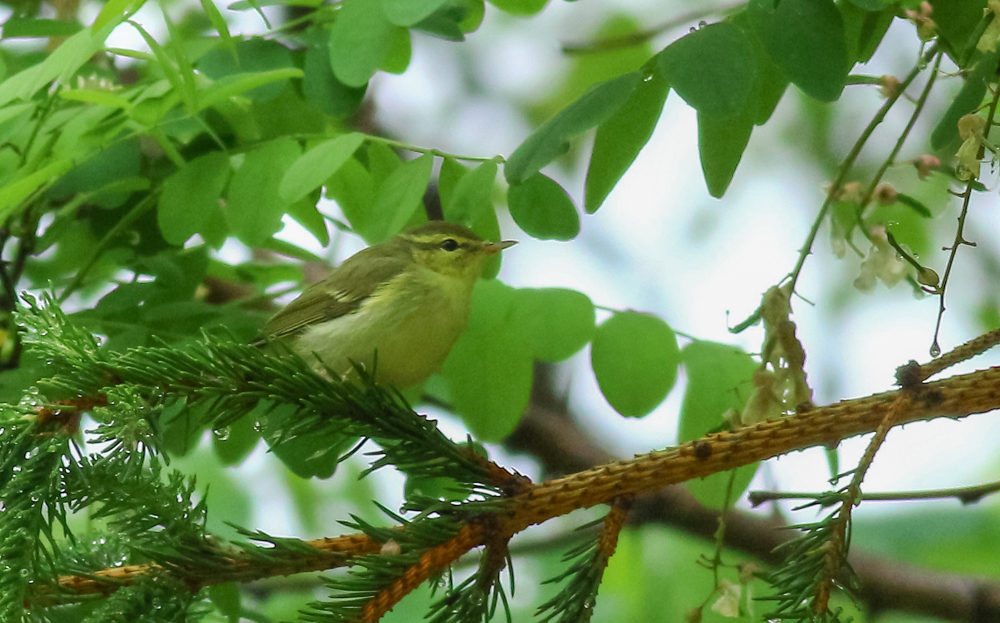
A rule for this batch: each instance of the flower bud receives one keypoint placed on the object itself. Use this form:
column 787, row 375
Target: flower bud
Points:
column 885, row 195
column 928, row 277
column 924, row 164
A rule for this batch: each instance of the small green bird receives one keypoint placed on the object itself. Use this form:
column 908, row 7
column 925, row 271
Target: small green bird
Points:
column 404, row 301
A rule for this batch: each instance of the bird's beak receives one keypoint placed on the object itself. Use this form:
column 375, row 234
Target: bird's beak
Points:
column 489, row 248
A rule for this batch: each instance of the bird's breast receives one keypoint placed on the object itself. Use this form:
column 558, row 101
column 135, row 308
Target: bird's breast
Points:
column 411, row 323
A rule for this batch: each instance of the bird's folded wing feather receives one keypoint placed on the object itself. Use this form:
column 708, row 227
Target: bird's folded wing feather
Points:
column 339, row 294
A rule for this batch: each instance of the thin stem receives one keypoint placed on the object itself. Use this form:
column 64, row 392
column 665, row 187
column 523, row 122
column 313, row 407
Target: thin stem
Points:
column 126, row 222
column 9, row 285
column 891, row 159
column 855, row 79
column 965, row 495
column 642, row 36
column 970, row 349
column 902, row 252
column 959, row 231
column 433, row 152
column 849, row 161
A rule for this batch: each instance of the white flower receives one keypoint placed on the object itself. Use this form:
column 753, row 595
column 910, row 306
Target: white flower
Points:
column 728, row 603
column 882, row 263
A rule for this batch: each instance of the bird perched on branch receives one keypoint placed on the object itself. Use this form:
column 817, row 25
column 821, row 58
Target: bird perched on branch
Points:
column 398, row 306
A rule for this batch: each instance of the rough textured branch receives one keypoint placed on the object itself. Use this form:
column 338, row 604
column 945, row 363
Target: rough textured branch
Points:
column 956, row 396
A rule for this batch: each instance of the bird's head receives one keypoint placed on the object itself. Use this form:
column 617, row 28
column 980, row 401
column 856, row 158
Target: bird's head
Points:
column 449, row 249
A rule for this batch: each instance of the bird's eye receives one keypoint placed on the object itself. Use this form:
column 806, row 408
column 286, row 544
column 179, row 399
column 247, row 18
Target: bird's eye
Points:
column 449, row 244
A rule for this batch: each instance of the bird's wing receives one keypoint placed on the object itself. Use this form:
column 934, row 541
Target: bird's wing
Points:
column 339, row 294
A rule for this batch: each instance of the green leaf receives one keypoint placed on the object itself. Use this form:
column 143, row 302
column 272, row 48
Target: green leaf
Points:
column 556, row 322
column 115, row 11
column 452, row 172
column 231, row 86
column 226, row 597
column 956, row 25
column 916, row 204
column 806, row 39
column 475, row 10
column 967, row 100
column 236, row 441
column 16, row 27
column 119, row 161
column 719, row 378
column 871, row 5
column 620, row 138
column 308, row 215
column 247, row 5
column 467, row 197
column 189, row 203
column 453, row 19
column 489, row 370
column 9, row 112
column 320, row 86
column 359, row 40
column 770, row 84
column 408, row 12
column 397, row 52
column 542, row 209
column 315, row 166
column 181, row 85
column 397, row 199
column 270, row 61
column 61, row 65
column 712, row 69
column 864, row 29
column 473, row 194
column 283, row 247
column 551, row 140
column 255, row 207
column 219, row 24
column 521, row 8
column 240, row 84
column 308, row 455
column 381, row 160
column 101, row 98
column 635, row 358
column 353, row 188
column 721, row 142
column 12, row 193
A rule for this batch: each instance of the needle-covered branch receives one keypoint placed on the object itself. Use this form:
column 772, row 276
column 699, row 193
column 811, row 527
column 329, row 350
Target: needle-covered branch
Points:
column 390, row 562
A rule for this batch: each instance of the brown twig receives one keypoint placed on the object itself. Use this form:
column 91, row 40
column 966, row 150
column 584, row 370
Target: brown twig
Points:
column 970, row 349
column 434, row 561
column 549, row 433
column 960, row 229
column 966, row 495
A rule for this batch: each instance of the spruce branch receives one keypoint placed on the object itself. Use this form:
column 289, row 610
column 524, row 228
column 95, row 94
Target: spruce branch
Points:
column 477, row 598
column 156, row 598
column 957, row 396
column 232, row 375
column 575, row 601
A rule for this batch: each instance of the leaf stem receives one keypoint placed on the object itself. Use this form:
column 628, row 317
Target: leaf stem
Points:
column 639, row 37
column 965, row 495
column 959, row 231
column 849, row 161
column 137, row 211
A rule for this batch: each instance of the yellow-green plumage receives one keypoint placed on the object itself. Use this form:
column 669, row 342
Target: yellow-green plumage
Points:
column 408, row 299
